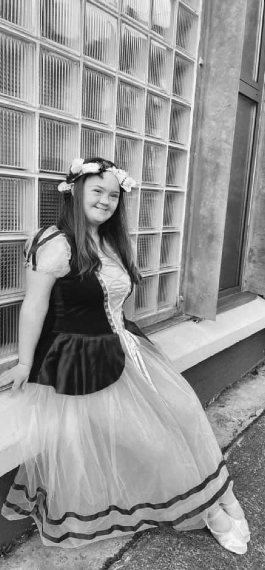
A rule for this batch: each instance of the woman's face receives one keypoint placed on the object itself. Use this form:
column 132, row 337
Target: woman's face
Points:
column 101, row 197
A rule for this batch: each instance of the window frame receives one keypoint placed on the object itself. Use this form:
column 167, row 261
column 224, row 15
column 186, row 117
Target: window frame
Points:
column 254, row 91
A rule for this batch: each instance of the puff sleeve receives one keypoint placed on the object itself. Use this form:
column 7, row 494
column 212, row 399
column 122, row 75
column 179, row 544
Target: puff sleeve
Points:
column 48, row 251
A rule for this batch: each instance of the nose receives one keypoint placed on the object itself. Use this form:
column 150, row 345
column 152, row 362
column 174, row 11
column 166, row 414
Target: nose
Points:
column 104, row 199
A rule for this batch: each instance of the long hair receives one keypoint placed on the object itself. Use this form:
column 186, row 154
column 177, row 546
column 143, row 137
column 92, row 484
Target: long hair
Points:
column 114, row 231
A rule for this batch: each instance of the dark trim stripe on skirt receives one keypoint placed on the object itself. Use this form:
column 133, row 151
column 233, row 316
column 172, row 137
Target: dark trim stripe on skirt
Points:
column 87, row 518
column 128, row 529
column 111, row 508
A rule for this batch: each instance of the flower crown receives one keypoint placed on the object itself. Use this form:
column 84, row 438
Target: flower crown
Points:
column 78, row 168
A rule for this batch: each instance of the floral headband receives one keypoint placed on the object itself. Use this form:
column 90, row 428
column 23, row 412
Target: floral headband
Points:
column 78, row 168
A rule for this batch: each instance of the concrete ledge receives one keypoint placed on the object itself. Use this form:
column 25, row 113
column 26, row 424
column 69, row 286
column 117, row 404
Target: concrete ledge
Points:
column 188, row 343
column 9, row 457
column 9, row 446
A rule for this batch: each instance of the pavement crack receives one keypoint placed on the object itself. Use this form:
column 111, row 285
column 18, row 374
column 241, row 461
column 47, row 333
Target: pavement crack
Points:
column 114, row 560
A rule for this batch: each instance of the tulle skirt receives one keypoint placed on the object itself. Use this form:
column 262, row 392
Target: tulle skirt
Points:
column 136, row 455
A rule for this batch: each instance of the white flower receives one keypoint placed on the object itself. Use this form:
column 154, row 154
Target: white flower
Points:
column 64, row 187
column 119, row 173
column 76, row 166
column 128, row 183
column 125, row 181
column 91, row 168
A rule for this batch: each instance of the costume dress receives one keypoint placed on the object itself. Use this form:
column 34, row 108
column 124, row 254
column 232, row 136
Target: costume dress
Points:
column 114, row 440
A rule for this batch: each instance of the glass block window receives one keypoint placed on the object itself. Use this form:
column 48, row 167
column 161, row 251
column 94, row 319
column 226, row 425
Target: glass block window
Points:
column 173, row 209
column 183, row 78
column 176, row 167
column 154, row 164
column 16, row 148
column 9, row 315
column 145, row 297
column 17, row 68
column 186, row 26
column 11, row 268
column 195, row 4
column 96, row 143
column 133, row 52
column 58, row 82
column 130, row 107
column 18, row 13
column 162, row 17
column 150, row 213
column 179, row 123
column 50, row 203
column 100, row 41
column 98, row 96
column 57, row 146
column 169, row 256
column 128, row 153
column 110, row 78
column 159, row 65
column 167, row 286
column 60, row 21
column 113, row 3
column 148, row 252
column 137, row 9
column 17, row 204
column 156, row 116
column 132, row 206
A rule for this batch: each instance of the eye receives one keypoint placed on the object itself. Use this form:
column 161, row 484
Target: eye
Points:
column 115, row 196
column 97, row 190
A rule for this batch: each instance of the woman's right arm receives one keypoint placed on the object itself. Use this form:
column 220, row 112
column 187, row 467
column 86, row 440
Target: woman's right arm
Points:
column 32, row 315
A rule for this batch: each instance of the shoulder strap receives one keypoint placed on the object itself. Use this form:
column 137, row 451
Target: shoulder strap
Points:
column 36, row 244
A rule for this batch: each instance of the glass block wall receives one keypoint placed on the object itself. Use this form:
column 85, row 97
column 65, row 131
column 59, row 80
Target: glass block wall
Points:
column 113, row 78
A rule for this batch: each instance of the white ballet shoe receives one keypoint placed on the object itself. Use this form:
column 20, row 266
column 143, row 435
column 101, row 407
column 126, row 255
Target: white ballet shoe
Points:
column 240, row 523
column 232, row 539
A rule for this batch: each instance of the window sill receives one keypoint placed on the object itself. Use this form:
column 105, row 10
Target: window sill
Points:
column 234, row 299
column 188, row 343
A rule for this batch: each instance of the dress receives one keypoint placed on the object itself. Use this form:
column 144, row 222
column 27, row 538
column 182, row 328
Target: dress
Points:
column 114, row 440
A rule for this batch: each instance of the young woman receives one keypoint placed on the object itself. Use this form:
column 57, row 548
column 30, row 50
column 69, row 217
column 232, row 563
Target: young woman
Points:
column 114, row 440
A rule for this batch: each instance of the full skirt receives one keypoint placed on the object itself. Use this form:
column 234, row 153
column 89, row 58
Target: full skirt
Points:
column 136, row 455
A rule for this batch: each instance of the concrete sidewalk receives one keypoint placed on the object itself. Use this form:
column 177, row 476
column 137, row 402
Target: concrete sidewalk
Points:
column 238, row 407
column 197, row 550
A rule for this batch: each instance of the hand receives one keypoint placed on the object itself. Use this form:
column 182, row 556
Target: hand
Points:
column 18, row 375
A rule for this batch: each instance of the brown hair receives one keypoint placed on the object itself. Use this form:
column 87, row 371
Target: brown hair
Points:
column 114, row 231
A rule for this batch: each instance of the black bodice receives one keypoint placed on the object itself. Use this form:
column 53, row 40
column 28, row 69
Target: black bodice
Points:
column 78, row 351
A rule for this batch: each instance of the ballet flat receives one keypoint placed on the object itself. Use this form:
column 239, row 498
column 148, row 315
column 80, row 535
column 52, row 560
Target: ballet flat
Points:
column 231, row 540
column 241, row 524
